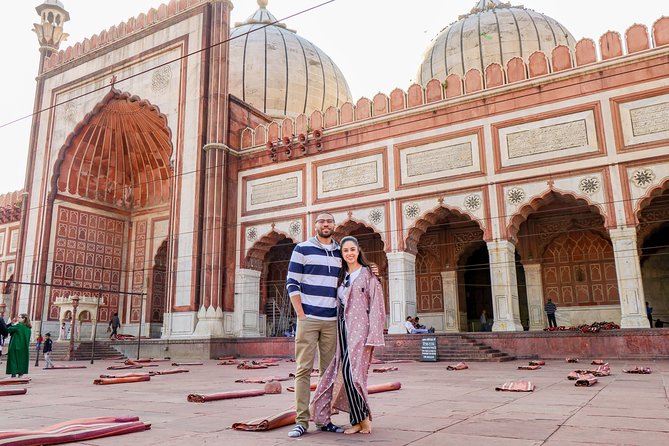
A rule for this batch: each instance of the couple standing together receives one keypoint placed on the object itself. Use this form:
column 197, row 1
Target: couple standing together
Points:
column 340, row 313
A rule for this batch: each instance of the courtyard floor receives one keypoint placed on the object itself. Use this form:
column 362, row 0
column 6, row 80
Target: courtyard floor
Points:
column 434, row 406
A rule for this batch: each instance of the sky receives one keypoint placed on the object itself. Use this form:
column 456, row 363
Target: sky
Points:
column 377, row 44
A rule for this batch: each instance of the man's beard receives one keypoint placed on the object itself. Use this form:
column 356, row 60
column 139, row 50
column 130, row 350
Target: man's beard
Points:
column 323, row 234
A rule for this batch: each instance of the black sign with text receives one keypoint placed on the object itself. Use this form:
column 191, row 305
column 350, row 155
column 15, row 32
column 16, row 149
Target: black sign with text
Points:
column 428, row 349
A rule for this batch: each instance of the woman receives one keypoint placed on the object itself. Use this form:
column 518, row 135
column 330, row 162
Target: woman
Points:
column 361, row 318
column 19, row 347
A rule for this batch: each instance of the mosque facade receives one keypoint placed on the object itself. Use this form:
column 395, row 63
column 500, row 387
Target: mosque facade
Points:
column 174, row 170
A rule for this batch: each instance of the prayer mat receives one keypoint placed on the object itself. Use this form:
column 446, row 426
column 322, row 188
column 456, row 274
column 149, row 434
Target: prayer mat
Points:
column 169, row 371
column 385, row 369
column 602, row 370
column 529, row 367
column 265, row 424
column 639, row 370
column 65, row 367
column 517, row 386
column 141, row 364
column 573, row 376
column 225, row 358
column 11, row 392
column 176, row 364
column 537, row 362
column 586, row 381
column 571, row 360
column 251, row 366
column 126, row 375
column 12, row 381
column 74, row 431
column 312, row 387
column 124, row 367
column 597, row 362
column 229, row 362
column 126, row 380
column 458, row 366
column 268, row 360
column 202, row 398
column 385, row 387
column 262, row 380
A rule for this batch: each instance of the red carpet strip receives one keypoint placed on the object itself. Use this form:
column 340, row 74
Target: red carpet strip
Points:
column 385, row 387
column 529, row 367
column 228, row 362
column 597, row 362
column 265, row 424
column 66, row 367
column 13, row 381
column 177, row 364
column 169, row 372
column 458, row 366
column 537, row 362
column 602, row 370
column 638, row 370
column 586, row 381
column 385, row 369
column 571, row 360
column 517, row 386
column 202, row 398
column 125, row 380
column 74, row 431
column 12, row 392
column 126, row 375
column 262, row 380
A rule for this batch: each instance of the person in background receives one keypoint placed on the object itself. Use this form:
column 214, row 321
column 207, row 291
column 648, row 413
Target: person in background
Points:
column 411, row 327
column 550, row 309
column 649, row 313
column 38, row 343
column 18, row 353
column 48, row 348
column 484, row 321
column 115, row 324
column 3, row 334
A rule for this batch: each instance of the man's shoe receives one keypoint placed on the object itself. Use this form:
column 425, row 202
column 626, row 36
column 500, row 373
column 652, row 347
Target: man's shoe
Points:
column 297, row 431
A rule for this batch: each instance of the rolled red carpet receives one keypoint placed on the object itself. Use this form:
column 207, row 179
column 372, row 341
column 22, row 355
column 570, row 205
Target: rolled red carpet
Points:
column 385, row 387
column 128, row 379
column 202, row 398
column 265, row 424
column 11, row 392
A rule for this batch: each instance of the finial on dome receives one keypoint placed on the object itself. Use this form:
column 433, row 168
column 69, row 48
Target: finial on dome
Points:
column 263, row 3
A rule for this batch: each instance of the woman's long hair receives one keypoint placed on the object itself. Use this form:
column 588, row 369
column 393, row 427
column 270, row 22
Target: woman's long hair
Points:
column 344, row 266
column 25, row 320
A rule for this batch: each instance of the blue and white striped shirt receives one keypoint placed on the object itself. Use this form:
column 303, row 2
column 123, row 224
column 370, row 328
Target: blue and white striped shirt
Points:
column 312, row 274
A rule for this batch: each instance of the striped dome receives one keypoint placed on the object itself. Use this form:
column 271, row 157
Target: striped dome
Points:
column 279, row 72
column 493, row 32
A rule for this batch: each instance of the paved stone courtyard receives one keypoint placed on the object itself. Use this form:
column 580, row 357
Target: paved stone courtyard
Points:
column 434, row 406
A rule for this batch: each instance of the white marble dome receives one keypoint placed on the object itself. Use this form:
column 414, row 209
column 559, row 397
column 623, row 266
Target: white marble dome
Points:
column 492, row 32
column 279, row 72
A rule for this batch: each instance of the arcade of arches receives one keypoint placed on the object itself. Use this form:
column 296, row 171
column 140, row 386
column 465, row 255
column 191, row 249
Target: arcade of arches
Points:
column 561, row 249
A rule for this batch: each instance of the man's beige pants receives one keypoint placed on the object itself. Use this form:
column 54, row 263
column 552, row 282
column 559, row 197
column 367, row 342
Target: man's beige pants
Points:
column 311, row 334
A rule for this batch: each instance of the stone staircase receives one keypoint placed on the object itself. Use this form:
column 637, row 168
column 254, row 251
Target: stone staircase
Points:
column 453, row 347
column 82, row 352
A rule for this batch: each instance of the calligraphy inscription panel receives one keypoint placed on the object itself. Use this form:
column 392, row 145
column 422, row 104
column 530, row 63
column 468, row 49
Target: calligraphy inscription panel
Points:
column 352, row 175
column 650, row 119
column 274, row 191
column 364, row 174
column 439, row 159
column 551, row 138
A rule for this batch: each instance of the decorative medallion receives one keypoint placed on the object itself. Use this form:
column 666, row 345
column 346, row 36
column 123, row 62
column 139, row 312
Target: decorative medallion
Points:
column 70, row 112
column 589, row 185
column 643, row 178
column 472, row 202
column 376, row 216
column 251, row 234
column 295, row 228
column 515, row 196
column 411, row 210
column 160, row 79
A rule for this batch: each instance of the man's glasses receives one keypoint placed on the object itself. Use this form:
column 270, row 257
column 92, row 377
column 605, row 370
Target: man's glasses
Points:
column 324, row 220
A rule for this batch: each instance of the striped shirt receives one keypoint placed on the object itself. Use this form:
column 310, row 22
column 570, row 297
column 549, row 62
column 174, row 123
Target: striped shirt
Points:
column 312, row 274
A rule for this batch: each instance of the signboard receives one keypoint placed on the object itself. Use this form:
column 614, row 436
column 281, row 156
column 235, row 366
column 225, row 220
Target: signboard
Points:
column 428, row 349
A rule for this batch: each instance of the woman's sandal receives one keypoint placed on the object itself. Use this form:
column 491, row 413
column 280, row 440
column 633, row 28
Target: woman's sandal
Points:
column 330, row 427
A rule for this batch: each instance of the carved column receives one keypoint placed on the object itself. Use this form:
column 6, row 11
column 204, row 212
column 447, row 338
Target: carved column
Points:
column 628, row 272
column 449, row 285
column 504, row 286
column 535, row 295
column 247, row 303
column 401, row 289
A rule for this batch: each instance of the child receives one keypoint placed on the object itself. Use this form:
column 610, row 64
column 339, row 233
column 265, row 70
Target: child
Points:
column 48, row 347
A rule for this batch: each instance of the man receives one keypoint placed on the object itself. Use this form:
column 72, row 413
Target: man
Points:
column 649, row 313
column 411, row 327
column 115, row 324
column 312, row 285
column 48, row 348
column 550, row 309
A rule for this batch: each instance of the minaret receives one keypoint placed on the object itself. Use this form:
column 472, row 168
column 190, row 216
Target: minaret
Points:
column 50, row 29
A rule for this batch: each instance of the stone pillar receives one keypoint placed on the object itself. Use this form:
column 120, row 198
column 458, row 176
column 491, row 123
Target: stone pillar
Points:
column 630, row 285
column 210, row 314
column 401, row 289
column 504, row 286
column 247, row 303
column 535, row 296
column 449, row 285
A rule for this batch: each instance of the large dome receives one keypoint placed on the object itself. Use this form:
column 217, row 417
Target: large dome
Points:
column 492, row 32
column 279, row 72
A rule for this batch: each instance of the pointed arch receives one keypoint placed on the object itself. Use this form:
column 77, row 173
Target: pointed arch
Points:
column 431, row 218
column 119, row 154
column 547, row 197
column 348, row 226
column 255, row 256
column 645, row 201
